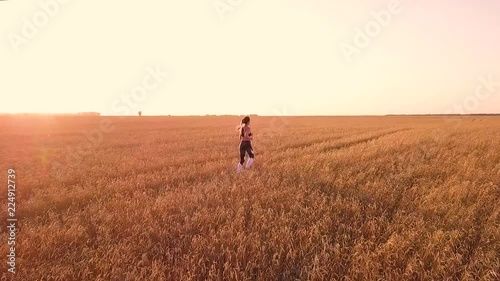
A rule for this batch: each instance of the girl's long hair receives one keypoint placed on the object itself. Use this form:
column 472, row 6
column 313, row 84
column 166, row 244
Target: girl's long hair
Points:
column 244, row 122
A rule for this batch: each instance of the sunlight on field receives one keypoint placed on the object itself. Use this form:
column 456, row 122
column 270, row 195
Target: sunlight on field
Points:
column 328, row 198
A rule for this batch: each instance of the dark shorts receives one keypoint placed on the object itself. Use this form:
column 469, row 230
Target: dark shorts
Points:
column 245, row 147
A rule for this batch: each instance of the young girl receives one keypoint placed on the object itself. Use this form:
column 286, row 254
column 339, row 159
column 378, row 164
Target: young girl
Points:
column 245, row 145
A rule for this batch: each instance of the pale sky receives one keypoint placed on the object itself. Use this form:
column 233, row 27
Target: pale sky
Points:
column 280, row 57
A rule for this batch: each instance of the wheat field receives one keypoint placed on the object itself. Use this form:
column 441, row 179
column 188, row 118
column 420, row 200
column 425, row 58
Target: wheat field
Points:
column 328, row 198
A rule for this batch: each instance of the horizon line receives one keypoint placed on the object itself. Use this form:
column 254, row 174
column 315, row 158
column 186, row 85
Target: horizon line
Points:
column 97, row 114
